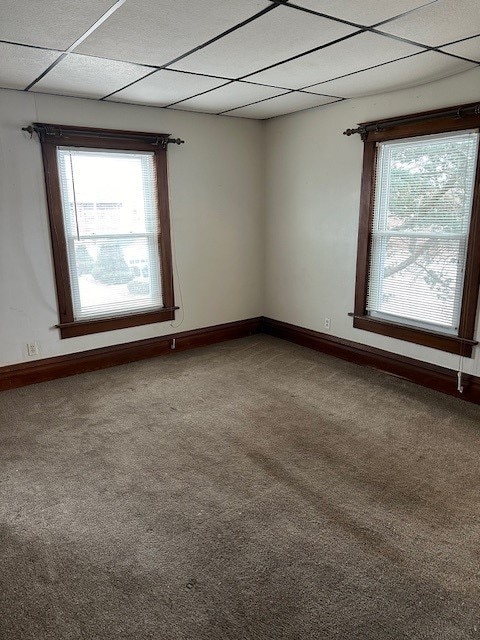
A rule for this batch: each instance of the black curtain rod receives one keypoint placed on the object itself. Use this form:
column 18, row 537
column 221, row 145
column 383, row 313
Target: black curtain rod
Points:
column 382, row 125
column 44, row 131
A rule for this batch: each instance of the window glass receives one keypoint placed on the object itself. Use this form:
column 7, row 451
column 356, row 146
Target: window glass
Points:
column 423, row 201
column 110, row 218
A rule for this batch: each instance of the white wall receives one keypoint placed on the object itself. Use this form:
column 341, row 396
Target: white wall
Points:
column 264, row 218
column 216, row 197
column 313, row 189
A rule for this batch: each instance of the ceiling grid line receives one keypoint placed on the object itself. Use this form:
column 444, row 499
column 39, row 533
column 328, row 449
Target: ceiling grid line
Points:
column 79, row 40
column 78, row 63
column 202, row 46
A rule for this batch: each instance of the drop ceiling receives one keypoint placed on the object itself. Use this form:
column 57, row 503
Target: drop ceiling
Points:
column 243, row 58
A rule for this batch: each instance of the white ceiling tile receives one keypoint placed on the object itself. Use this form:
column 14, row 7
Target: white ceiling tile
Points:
column 164, row 87
column 353, row 54
column 282, row 105
column 21, row 65
column 56, row 23
column 365, row 12
column 275, row 36
column 235, row 94
column 421, row 69
column 157, row 31
column 89, row 77
column 438, row 23
column 467, row 48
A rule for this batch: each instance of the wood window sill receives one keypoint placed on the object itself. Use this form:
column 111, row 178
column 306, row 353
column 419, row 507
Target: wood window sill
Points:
column 432, row 339
column 97, row 325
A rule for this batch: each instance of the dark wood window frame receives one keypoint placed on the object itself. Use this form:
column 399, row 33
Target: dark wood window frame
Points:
column 53, row 136
column 431, row 122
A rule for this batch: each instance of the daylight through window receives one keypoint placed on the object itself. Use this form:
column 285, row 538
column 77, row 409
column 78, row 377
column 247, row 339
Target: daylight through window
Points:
column 422, row 206
column 110, row 219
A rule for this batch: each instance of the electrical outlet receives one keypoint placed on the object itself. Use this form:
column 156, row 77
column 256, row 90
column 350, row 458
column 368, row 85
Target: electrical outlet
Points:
column 32, row 349
column 327, row 323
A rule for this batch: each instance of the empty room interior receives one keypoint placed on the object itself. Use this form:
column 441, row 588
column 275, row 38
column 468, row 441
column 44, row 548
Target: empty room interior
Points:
column 239, row 277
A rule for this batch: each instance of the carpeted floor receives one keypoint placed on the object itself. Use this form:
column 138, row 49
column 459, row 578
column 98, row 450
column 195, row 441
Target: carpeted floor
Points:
column 251, row 490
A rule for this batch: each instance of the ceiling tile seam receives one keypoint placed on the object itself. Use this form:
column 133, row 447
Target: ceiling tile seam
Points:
column 159, row 68
column 236, row 27
column 115, row 6
column 220, row 113
column 313, row 93
column 133, row 104
column 47, row 70
column 287, row 93
column 371, row 28
column 400, row 39
column 249, row 104
column 404, row 13
column 318, row 106
column 458, row 41
column 79, row 40
column 118, row 102
column 328, row 44
column 455, row 55
column 301, row 55
column 383, row 64
column 322, row 15
column 353, row 73
column 153, row 67
column 358, row 25
column 31, row 46
column 231, row 80
column 147, row 75
column 208, row 75
column 241, row 24
column 201, row 93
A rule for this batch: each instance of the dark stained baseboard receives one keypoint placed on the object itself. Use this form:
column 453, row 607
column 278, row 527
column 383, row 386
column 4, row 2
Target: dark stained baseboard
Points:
column 422, row 373
column 25, row 373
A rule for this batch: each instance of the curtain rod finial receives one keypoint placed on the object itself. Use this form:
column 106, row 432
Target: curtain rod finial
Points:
column 361, row 130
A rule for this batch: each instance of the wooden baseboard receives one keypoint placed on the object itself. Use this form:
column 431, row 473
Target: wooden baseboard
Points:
column 427, row 375
column 422, row 373
column 25, row 373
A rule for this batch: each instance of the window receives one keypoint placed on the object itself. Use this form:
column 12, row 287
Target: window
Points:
column 419, row 247
column 108, row 206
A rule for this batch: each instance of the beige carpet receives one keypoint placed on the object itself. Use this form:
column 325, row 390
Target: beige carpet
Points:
column 251, row 490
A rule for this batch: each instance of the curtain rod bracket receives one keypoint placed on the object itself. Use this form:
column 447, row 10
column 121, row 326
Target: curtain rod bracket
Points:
column 361, row 130
column 163, row 142
column 43, row 131
column 29, row 130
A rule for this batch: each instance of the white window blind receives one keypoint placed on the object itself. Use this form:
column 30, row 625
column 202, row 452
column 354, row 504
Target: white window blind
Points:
column 111, row 226
column 423, row 201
